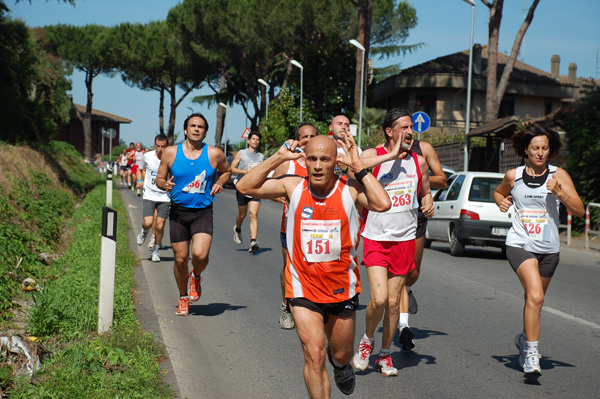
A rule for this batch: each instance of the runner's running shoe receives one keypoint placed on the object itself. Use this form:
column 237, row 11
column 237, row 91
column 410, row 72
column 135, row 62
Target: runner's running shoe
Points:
column 237, row 236
column 521, row 344
column 195, row 290
column 361, row 357
column 413, row 308
column 141, row 237
column 183, row 309
column 253, row 247
column 343, row 376
column 406, row 338
column 286, row 320
column 155, row 256
column 152, row 241
column 386, row 366
column 532, row 363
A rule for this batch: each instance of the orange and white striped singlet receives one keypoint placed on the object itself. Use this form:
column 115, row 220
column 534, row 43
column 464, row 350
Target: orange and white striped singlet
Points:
column 322, row 236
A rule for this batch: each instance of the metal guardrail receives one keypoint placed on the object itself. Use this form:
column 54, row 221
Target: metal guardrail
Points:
column 587, row 224
column 568, row 227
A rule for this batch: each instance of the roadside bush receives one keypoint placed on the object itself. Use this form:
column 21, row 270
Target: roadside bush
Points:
column 77, row 174
column 581, row 121
column 32, row 214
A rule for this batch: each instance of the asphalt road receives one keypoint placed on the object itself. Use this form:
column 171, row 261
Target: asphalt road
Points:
column 231, row 345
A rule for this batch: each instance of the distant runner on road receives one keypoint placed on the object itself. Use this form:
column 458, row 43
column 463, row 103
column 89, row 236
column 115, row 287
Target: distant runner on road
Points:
column 155, row 201
column 243, row 162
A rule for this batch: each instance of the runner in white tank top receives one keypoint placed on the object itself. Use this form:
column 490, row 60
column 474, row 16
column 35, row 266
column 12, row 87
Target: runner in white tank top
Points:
column 532, row 242
column 389, row 238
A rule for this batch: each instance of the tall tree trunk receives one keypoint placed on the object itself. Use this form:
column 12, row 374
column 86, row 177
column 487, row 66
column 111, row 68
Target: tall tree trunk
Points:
column 173, row 104
column 492, row 68
column 221, row 112
column 86, row 118
column 173, row 112
column 161, row 112
column 365, row 13
column 496, row 89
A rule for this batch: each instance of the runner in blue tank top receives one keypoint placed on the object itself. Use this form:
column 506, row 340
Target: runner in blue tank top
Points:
column 532, row 243
column 192, row 166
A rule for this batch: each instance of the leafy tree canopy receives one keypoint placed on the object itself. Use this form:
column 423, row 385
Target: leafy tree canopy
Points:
column 33, row 86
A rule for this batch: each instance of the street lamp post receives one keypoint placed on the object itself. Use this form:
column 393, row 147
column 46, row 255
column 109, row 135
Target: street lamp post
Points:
column 359, row 46
column 262, row 82
column 299, row 65
column 225, row 129
column 469, row 79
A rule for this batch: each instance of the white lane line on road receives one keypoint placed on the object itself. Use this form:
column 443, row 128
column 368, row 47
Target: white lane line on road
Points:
column 520, row 298
column 571, row 317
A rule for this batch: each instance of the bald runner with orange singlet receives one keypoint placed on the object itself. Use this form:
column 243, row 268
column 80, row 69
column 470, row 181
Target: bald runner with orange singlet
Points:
column 322, row 277
column 304, row 132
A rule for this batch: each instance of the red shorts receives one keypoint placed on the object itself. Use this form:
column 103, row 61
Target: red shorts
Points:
column 397, row 256
column 134, row 169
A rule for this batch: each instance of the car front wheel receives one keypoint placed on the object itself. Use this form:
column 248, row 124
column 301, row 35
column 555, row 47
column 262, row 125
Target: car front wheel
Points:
column 457, row 247
column 427, row 243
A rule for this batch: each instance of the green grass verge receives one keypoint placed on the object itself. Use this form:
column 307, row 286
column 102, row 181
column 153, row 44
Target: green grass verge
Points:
column 118, row 364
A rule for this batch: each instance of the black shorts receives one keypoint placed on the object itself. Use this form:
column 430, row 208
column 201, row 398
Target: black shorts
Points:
column 342, row 309
column 185, row 222
column 283, row 238
column 421, row 224
column 547, row 263
column 243, row 200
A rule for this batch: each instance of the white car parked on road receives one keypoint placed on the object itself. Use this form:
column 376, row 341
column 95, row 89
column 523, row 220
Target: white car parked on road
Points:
column 465, row 213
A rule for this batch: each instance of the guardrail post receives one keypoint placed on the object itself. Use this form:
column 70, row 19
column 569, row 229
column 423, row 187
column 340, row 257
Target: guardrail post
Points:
column 587, row 227
column 109, row 187
column 108, row 252
column 568, row 228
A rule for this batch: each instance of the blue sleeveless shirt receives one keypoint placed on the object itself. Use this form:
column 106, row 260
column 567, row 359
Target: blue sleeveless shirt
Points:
column 194, row 179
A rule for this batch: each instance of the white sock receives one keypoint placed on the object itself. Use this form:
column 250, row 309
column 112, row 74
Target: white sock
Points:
column 155, row 248
column 369, row 340
column 403, row 319
column 532, row 346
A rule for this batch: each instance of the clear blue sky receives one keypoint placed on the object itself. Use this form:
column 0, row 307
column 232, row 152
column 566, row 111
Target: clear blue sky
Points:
column 568, row 28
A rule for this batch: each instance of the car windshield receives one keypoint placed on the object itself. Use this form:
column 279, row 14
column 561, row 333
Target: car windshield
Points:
column 482, row 189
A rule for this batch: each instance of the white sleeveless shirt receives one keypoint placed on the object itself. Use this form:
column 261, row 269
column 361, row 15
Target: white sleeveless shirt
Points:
column 535, row 225
column 401, row 179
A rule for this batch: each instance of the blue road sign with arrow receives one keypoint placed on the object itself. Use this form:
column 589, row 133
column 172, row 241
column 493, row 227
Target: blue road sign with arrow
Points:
column 421, row 121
